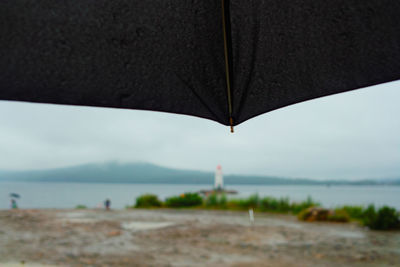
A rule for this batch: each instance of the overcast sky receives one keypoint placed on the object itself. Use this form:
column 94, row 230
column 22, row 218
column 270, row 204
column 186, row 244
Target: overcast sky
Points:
column 353, row 135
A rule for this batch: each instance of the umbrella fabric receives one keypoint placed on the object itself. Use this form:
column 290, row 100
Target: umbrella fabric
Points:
column 14, row 195
column 169, row 55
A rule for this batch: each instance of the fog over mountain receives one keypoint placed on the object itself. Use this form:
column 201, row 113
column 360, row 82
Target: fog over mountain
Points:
column 113, row 172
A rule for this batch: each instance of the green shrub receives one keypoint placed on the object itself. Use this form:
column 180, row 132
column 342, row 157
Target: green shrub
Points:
column 297, row 207
column 339, row 215
column 276, row 205
column 269, row 204
column 355, row 212
column 284, row 205
column 303, row 215
column 236, row 204
column 223, row 200
column 184, row 200
column 385, row 218
column 313, row 214
column 216, row 201
column 252, row 201
column 212, row 201
column 369, row 216
column 147, row 201
column 80, row 207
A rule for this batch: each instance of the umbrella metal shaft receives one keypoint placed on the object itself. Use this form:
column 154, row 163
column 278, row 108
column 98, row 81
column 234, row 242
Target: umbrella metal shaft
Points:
column 227, row 68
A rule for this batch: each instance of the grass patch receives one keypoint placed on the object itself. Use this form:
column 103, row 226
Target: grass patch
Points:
column 354, row 212
column 216, row 201
column 384, row 218
column 297, row 207
column 252, row 202
column 339, row 215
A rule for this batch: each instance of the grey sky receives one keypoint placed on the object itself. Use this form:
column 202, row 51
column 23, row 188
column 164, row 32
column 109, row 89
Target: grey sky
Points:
column 352, row 135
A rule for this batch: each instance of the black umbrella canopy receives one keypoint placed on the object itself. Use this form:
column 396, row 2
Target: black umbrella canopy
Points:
column 208, row 58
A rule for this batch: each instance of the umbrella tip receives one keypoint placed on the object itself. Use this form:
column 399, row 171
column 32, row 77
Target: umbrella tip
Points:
column 231, row 123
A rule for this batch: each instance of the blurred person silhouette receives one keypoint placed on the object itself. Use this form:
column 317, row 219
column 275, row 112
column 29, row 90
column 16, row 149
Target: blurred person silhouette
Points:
column 107, row 204
column 14, row 204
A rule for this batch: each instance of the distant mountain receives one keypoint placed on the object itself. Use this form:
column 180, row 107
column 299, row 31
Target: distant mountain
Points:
column 113, row 172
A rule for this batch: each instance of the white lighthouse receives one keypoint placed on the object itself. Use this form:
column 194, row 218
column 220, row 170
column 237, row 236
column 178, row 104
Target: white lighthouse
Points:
column 219, row 179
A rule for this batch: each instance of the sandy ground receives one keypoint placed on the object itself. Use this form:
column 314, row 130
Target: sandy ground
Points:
column 186, row 238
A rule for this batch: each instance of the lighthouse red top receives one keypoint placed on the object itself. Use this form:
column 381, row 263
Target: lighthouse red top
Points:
column 219, row 167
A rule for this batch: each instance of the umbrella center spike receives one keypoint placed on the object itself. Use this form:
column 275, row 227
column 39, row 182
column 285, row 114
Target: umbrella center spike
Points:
column 225, row 22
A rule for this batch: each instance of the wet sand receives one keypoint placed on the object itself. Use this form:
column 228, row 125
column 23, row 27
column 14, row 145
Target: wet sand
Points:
column 186, row 238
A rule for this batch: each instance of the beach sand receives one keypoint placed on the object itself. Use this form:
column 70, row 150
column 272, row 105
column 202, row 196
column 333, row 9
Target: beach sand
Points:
column 166, row 237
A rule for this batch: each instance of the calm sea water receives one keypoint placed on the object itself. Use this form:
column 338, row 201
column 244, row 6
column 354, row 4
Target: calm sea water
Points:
column 68, row 195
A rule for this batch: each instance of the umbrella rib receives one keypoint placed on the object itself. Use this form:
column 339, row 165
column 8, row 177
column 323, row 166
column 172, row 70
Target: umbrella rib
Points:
column 227, row 68
column 204, row 103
